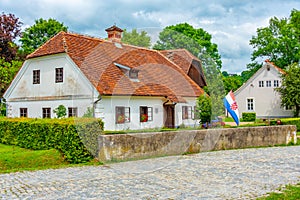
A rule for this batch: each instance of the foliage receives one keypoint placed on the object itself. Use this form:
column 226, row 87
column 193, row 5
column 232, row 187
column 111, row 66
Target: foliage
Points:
column 76, row 138
column 10, row 29
column 279, row 41
column 186, row 36
column 88, row 113
column 291, row 121
column 37, row 34
column 60, row 111
column 138, row 39
column 232, row 83
column 290, row 88
column 204, row 107
column 8, row 71
column 249, row 116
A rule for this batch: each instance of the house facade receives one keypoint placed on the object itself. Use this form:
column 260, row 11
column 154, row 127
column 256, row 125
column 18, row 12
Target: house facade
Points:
column 258, row 94
column 128, row 87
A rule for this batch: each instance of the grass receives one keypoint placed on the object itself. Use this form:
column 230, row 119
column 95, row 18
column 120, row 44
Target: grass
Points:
column 290, row 192
column 15, row 159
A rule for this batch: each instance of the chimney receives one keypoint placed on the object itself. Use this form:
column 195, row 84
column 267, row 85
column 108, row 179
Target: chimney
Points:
column 114, row 33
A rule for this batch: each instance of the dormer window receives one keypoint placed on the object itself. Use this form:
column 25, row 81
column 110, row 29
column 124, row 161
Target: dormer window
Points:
column 133, row 73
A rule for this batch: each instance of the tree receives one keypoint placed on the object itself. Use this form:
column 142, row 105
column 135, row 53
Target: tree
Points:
column 232, row 83
column 290, row 88
column 10, row 29
column 60, row 111
column 138, row 39
column 279, row 42
column 186, row 36
column 204, row 107
column 36, row 35
column 7, row 72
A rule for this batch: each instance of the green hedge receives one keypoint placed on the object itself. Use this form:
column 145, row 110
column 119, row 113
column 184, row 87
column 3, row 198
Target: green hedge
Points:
column 249, row 116
column 76, row 138
column 291, row 121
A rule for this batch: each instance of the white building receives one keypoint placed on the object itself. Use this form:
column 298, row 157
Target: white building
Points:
column 258, row 93
column 128, row 87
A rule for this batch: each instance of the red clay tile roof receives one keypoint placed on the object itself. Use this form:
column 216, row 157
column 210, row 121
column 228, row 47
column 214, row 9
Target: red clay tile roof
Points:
column 97, row 58
column 184, row 59
column 273, row 64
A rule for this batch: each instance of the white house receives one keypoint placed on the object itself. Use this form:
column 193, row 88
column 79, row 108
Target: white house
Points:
column 258, row 93
column 128, row 87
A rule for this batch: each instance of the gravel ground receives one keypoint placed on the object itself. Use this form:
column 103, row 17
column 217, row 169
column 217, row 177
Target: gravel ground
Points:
column 232, row 174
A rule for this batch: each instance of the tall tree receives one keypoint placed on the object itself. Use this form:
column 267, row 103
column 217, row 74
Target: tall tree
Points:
column 36, row 35
column 204, row 106
column 290, row 88
column 186, row 36
column 7, row 72
column 10, row 29
column 279, row 42
column 232, row 82
column 198, row 42
column 138, row 39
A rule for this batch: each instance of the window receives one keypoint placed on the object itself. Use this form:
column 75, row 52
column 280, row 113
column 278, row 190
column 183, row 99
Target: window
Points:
column 286, row 107
column 276, row 83
column 250, row 104
column 59, row 75
column 186, row 112
column 260, row 83
column 46, row 112
column 268, row 84
column 146, row 114
column 72, row 112
column 133, row 73
column 23, row 112
column 36, row 76
column 122, row 115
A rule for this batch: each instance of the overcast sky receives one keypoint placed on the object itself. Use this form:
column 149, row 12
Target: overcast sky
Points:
column 231, row 23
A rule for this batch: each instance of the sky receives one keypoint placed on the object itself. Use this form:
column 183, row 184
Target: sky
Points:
column 232, row 23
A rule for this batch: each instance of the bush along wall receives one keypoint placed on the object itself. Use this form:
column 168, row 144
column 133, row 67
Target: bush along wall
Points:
column 249, row 116
column 291, row 121
column 76, row 138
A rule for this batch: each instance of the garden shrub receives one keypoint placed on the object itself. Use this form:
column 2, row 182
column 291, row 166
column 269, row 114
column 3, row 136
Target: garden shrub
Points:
column 291, row 121
column 76, row 138
column 249, row 116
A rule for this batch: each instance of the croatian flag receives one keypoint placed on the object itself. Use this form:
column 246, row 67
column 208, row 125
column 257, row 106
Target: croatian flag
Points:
column 232, row 107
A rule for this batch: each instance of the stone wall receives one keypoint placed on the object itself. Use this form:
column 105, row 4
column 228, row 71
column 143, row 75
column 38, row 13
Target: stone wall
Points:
column 144, row 145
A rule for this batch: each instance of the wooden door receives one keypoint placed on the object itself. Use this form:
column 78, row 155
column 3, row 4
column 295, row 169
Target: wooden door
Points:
column 169, row 116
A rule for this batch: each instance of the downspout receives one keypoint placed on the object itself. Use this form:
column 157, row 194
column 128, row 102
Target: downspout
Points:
column 94, row 104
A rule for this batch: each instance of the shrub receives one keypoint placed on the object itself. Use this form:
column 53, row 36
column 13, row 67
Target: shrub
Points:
column 249, row 116
column 76, row 138
column 60, row 111
column 291, row 121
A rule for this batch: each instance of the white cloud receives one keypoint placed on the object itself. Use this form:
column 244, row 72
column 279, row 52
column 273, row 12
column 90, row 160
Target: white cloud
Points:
column 231, row 23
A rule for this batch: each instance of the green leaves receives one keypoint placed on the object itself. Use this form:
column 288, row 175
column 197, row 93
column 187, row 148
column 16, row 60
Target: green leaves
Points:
column 280, row 41
column 138, row 39
column 204, row 106
column 36, row 35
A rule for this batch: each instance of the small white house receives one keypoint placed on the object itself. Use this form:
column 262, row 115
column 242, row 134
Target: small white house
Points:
column 128, row 87
column 258, row 93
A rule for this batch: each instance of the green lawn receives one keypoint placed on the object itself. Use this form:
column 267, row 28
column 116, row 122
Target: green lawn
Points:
column 290, row 192
column 14, row 159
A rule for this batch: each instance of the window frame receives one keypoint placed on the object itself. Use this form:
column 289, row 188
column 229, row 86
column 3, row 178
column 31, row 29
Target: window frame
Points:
column 268, row 83
column 187, row 112
column 122, row 110
column 148, row 111
column 260, row 83
column 196, row 111
column 46, row 112
column 23, row 112
column 36, row 76
column 250, row 104
column 59, row 75
column 72, row 112
column 277, row 83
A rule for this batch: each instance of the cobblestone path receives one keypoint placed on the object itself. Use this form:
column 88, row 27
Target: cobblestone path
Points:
column 232, row 174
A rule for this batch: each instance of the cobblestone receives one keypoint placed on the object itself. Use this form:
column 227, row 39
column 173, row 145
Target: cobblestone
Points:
column 232, row 174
